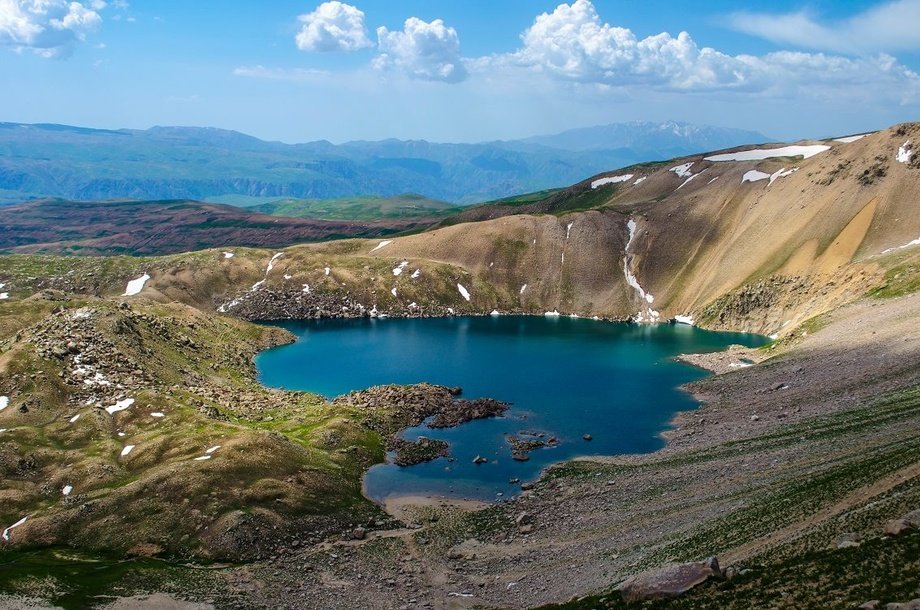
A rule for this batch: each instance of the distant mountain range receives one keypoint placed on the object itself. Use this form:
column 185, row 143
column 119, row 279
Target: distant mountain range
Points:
column 46, row 160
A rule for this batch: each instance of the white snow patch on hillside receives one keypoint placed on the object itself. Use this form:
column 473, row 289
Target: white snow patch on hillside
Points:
column 688, row 319
column 328, row 270
column 568, row 229
column 915, row 242
column 393, row 291
column 202, row 458
column 739, row 365
column 211, row 450
column 121, row 405
column 382, row 244
column 523, row 288
column 713, row 180
column 271, row 263
column 4, row 295
column 416, row 273
column 640, row 180
column 904, row 152
column 228, row 254
column 463, row 292
column 287, row 276
column 689, row 178
column 610, row 180
column 67, row 489
column 495, row 312
column 399, row 268
column 782, row 174
column 683, row 171
column 552, row 314
column 6, row 532
column 128, row 449
column 306, row 288
column 848, row 139
column 754, row 176
column 4, row 402
column 136, row 285
column 157, row 414
column 256, row 285
column 74, row 419
column 758, row 154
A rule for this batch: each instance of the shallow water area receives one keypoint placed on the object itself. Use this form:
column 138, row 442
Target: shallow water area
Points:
column 565, row 377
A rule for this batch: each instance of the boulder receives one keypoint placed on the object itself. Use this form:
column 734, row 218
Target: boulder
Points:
column 913, row 604
column 896, row 527
column 668, row 582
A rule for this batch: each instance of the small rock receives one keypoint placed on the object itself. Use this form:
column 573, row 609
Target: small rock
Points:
column 479, row 460
column 848, row 540
column 359, row 533
column 526, row 486
column 587, row 437
column 870, row 605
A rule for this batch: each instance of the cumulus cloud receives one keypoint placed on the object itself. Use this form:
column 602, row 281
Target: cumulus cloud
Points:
column 333, row 26
column 49, row 28
column 425, row 51
column 891, row 26
column 573, row 44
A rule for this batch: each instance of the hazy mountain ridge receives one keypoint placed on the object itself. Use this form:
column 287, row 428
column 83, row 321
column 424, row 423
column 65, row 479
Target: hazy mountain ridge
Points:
column 196, row 163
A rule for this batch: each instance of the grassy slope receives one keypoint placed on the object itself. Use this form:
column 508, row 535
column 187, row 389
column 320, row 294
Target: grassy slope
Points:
column 358, row 208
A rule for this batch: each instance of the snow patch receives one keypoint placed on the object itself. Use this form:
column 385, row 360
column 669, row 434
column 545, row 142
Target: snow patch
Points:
column 393, row 291
column 271, row 263
column 552, row 314
column 399, row 268
column 904, row 152
column 649, row 315
column 6, row 533
column 306, row 288
column 610, row 180
column 495, row 312
column 157, row 414
column 916, row 242
column 758, row 154
column 382, row 244
column 328, row 270
column 523, row 288
column 416, row 273
column 4, row 402
column 739, row 365
column 463, row 292
column 4, row 296
column 713, row 180
column 128, row 449
column 255, row 287
column 782, row 174
column 228, row 254
column 687, row 319
column 754, row 176
column 135, row 286
column 202, row 458
column 74, row 419
column 689, row 178
column 568, row 230
column 640, row 180
column 287, row 277
column 683, row 171
column 211, row 450
column 848, row 139
column 67, row 489
column 121, row 405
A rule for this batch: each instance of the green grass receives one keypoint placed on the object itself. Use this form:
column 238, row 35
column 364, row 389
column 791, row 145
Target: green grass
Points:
column 359, row 208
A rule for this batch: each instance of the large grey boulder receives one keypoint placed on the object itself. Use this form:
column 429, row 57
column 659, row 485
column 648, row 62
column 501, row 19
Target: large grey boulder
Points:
column 670, row 581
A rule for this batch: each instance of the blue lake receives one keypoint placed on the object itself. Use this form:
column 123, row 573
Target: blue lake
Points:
column 565, row 377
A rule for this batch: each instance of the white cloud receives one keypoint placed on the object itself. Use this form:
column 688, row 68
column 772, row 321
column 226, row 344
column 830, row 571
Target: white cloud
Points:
column 288, row 74
column 333, row 26
column 891, row 26
column 425, row 51
column 49, row 28
column 573, row 44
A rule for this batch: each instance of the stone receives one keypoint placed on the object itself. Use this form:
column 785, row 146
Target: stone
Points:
column 847, row 540
column 526, row 486
column 668, row 582
column 359, row 533
column 896, row 527
column 479, row 460
column 913, row 604
column 870, row 605
column 587, row 437
column 913, row 517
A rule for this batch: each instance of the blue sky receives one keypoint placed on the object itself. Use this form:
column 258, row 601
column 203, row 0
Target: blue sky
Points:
column 459, row 70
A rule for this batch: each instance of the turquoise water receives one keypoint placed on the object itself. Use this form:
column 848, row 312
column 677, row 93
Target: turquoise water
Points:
column 565, row 377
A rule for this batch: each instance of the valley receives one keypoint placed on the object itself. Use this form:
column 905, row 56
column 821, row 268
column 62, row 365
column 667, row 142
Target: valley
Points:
column 802, row 442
